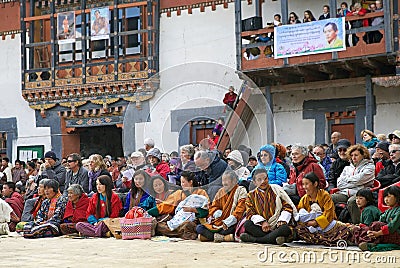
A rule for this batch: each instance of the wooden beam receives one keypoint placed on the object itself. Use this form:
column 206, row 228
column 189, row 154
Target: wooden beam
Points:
column 319, row 85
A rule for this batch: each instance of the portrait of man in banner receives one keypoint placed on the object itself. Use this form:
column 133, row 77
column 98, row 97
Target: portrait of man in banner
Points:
column 66, row 27
column 331, row 34
column 99, row 23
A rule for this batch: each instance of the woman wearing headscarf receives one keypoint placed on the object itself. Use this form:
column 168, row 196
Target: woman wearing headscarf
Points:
column 266, row 160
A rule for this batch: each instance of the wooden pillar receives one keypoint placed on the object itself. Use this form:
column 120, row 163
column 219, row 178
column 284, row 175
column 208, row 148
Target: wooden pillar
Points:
column 395, row 24
column 257, row 4
column 70, row 140
column 369, row 103
column 53, row 29
column 269, row 115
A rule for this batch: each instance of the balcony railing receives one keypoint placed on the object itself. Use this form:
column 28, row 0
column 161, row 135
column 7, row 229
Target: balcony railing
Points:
column 360, row 49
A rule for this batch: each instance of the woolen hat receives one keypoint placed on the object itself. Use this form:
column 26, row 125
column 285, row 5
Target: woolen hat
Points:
column 394, row 133
column 384, row 145
column 154, row 152
column 252, row 157
column 136, row 154
column 236, row 156
column 51, row 155
column 343, row 143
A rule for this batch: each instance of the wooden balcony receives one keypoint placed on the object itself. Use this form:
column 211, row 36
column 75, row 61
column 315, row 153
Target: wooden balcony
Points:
column 356, row 61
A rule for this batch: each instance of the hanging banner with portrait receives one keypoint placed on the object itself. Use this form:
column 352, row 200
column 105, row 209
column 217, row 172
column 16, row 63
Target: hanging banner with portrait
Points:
column 66, row 27
column 99, row 23
column 309, row 38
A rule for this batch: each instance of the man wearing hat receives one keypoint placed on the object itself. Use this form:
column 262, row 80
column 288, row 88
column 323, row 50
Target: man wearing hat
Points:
column 394, row 137
column 339, row 164
column 54, row 169
column 381, row 156
column 137, row 162
column 391, row 173
column 252, row 163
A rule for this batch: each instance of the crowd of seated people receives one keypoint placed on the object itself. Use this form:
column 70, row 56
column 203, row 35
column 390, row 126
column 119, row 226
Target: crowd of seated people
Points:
column 291, row 193
column 356, row 9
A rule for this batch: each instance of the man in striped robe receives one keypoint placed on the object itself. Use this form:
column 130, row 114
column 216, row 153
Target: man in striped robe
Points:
column 269, row 211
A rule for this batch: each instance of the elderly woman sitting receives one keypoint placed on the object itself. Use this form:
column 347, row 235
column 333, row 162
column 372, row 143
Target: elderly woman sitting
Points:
column 360, row 174
column 303, row 163
column 50, row 214
column 75, row 210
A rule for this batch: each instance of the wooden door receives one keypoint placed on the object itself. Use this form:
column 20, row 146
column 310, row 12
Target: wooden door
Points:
column 347, row 131
column 203, row 133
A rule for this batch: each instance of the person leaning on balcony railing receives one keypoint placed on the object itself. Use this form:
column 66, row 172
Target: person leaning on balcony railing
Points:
column 293, row 18
column 359, row 11
column 376, row 36
column 253, row 52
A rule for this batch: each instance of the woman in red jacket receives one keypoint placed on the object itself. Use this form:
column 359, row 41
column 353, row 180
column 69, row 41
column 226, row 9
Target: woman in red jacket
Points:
column 157, row 165
column 303, row 163
column 76, row 208
column 104, row 204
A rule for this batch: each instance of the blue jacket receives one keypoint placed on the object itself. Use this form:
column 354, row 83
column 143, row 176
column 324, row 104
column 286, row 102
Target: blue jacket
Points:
column 146, row 202
column 276, row 172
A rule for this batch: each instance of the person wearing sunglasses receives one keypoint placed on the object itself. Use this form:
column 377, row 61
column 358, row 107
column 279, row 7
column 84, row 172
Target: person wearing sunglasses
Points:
column 391, row 173
column 395, row 137
column 293, row 18
column 76, row 173
column 339, row 164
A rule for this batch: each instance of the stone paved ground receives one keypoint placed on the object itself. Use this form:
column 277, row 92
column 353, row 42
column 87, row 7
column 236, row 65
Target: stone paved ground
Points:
column 66, row 252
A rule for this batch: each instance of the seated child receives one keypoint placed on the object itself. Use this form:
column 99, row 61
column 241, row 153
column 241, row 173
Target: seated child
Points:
column 365, row 202
column 387, row 229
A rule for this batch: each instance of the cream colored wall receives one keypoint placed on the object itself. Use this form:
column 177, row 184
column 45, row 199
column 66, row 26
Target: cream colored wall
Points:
column 197, row 65
column 387, row 116
column 11, row 102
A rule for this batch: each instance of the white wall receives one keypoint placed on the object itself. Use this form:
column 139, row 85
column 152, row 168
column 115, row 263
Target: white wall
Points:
column 12, row 103
column 197, row 63
column 291, row 128
column 387, row 116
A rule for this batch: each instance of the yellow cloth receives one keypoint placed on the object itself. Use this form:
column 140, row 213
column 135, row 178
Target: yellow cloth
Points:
column 326, row 204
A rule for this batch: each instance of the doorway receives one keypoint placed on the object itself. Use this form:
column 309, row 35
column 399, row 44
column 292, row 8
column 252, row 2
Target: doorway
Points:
column 347, row 131
column 104, row 140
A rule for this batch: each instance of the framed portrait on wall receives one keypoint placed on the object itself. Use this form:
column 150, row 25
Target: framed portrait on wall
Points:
column 66, row 27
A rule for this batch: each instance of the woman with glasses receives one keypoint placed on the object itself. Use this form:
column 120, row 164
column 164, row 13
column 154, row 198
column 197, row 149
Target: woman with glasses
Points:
column 266, row 160
column 358, row 175
column 303, row 163
column 293, row 18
